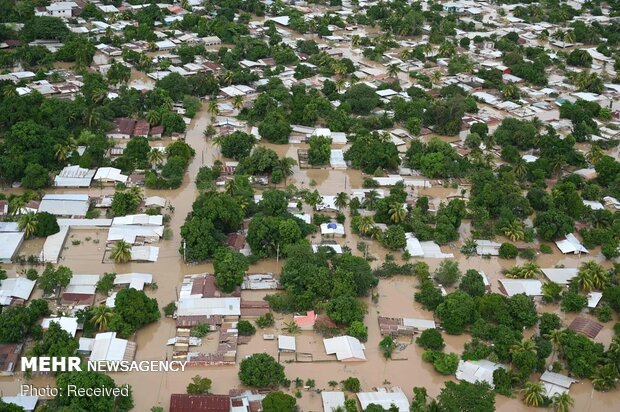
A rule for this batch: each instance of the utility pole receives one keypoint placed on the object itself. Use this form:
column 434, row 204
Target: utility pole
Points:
column 184, row 247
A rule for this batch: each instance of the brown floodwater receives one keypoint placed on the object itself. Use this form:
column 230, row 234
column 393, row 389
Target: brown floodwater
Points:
column 395, row 299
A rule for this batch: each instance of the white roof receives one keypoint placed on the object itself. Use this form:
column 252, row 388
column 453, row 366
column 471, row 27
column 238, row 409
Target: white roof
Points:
column 385, row 399
column 338, row 230
column 155, row 201
column 9, row 244
column 420, row 324
column 432, row 250
column 413, row 245
column 129, row 233
column 107, row 347
column 345, row 348
column 29, row 403
column 69, row 325
column 332, row 400
column 555, row 383
column 19, row 288
column 209, row 307
column 561, row 276
column 140, row 219
column 53, row 245
column 65, row 205
column 477, row 371
column 110, row 173
column 286, row 343
column 134, row 280
column 335, row 248
column 327, row 202
column 145, row 253
column 336, row 158
column 571, row 245
column 304, row 216
column 74, row 176
column 69, row 222
column 593, row 204
column 9, row 227
column 531, row 287
column 594, row 298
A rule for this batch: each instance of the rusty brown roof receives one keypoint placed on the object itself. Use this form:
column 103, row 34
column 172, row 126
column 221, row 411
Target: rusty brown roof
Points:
column 199, row 403
column 586, row 326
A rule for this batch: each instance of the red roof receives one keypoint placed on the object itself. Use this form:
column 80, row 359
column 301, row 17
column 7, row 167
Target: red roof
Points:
column 142, row 128
column 199, row 403
column 307, row 320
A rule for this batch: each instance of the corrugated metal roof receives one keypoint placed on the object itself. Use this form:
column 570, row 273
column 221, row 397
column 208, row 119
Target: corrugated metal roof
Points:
column 346, row 348
column 385, row 399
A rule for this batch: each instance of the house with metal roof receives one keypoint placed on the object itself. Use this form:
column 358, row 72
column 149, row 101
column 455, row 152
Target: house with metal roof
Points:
column 556, row 383
column 65, row 204
column 531, row 287
column 15, row 289
column 81, row 290
column 561, row 276
column 570, row 244
column 74, row 176
column 346, row 348
column 477, row 371
column 10, row 242
column 27, row 403
column 69, row 325
column 144, row 253
column 107, row 347
column 332, row 400
column 110, row 175
column 385, row 398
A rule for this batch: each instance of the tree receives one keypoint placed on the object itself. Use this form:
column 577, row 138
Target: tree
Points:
column 156, row 157
column 342, row 200
column 466, row 397
column 56, row 342
column 92, row 380
column 245, row 328
column 456, row 312
column 121, row 252
column 261, row 370
column 279, row 402
column 429, row 295
column 514, row 231
column 237, row 145
column 448, row 273
column 275, row 128
column 573, row 302
column 229, row 267
column 562, row 402
column 199, row 385
column 358, row 330
column 533, row 394
column 47, row 224
column 28, row 224
column 100, row 316
column 345, row 310
column 397, row 213
column 319, row 151
column 387, row 346
column 133, row 310
column 605, row 377
column 362, row 98
column 51, row 278
column 592, row 275
column 394, row 237
column 431, row 339
column 508, row 251
column 472, row 283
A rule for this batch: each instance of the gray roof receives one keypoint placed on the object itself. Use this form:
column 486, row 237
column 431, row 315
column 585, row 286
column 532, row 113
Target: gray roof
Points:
column 65, row 205
column 10, row 243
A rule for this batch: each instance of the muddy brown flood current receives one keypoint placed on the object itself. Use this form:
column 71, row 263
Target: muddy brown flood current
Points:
column 395, row 299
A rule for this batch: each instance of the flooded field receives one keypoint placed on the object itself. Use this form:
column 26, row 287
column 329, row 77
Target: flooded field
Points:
column 84, row 251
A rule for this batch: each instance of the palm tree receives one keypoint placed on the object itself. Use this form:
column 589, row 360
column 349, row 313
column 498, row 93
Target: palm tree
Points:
column 370, row 202
column 340, row 84
column 527, row 271
column 523, row 346
column 156, row 157
column 397, row 213
column 136, row 194
column 342, row 200
column 209, row 131
column 510, row 92
column 427, row 49
column 555, row 337
column 121, row 252
column 153, row 117
column 366, row 225
column 355, row 40
column 446, row 49
column 597, row 275
column 562, row 402
column 584, row 280
column 520, row 168
column 393, row 70
column 405, row 54
column 291, row 327
column 339, row 68
column 568, row 37
column 604, row 378
column 28, row 223
column 595, row 154
column 514, row 231
column 533, row 394
column 213, row 108
column 285, row 165
column 100, row 316
column 313, row 198
column 436, row 77
column 61, row 152
column 543, row 36
column 238, row 102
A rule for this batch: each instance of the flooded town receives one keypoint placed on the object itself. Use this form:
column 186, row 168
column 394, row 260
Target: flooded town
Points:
column 278, row 206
